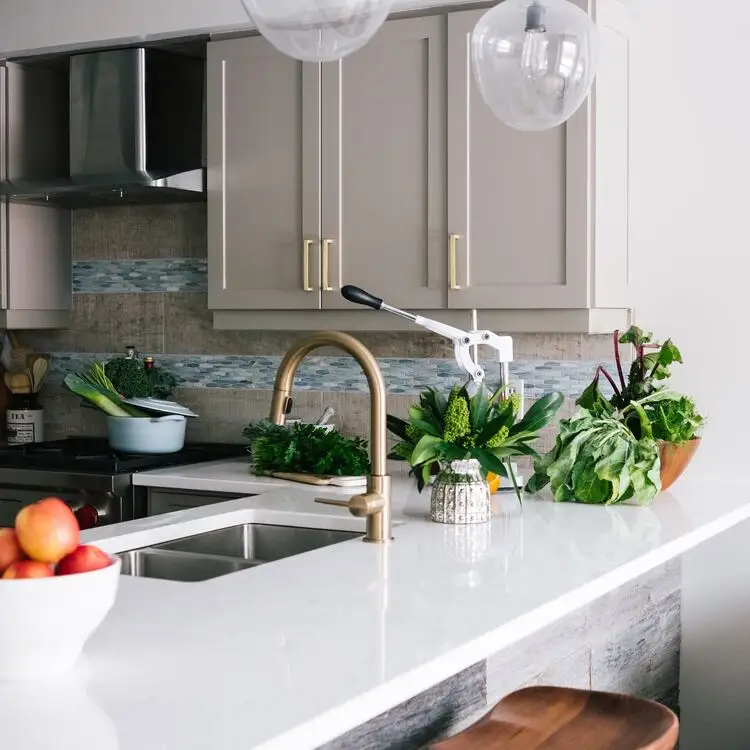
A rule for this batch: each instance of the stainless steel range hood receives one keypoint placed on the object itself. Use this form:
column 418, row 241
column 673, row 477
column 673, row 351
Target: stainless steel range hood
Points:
column 136, row 132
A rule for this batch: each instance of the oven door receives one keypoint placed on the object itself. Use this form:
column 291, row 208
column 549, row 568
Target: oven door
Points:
column 91, row 508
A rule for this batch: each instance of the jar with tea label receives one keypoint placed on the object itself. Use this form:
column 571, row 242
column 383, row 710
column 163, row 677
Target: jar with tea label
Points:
column 25, row 420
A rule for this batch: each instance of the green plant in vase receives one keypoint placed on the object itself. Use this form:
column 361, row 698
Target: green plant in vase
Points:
column 463, row 438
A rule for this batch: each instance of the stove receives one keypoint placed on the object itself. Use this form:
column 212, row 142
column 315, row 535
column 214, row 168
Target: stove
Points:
column 94, row 480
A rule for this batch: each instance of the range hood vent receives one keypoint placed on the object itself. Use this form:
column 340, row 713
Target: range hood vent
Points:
column 136, row 132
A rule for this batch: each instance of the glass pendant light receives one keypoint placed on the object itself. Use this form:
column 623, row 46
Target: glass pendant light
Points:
column 318, row 30
column 535, row 61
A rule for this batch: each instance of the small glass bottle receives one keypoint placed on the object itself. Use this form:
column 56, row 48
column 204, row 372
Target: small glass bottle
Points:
column 148, row 363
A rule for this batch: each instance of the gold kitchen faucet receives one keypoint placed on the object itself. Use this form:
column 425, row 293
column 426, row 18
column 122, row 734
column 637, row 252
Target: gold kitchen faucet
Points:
column 375, row 504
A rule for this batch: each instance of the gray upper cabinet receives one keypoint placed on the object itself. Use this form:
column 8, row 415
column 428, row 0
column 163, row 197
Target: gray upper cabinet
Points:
column 522, row 221
column 296, row 210
column 384, row 167
column 35, row 267
column 35, row 241
column 263, row 178
column 387, row 170
column 506, row 199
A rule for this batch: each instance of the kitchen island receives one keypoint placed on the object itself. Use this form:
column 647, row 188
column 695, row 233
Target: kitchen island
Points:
column 297, row 653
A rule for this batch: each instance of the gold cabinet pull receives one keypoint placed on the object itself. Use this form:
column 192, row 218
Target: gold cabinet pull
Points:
column 306, row 266
column 326, row 252
column 454, row 238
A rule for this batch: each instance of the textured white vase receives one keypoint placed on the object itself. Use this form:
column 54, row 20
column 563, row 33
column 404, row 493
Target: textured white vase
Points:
column 461, row 495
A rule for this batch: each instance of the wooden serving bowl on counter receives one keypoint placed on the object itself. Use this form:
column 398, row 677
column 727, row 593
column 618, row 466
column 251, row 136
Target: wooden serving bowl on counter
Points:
column 675, row 458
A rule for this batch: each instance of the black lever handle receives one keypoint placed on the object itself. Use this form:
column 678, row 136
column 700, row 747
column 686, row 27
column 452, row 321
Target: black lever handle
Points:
column 361, row 297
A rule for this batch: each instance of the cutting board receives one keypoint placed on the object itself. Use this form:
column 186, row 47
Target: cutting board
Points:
column 321, row 480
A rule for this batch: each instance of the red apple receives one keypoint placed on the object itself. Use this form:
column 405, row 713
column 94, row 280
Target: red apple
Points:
column 28, row 569
column 47, row 530
column 83, row 560
column 10, row 549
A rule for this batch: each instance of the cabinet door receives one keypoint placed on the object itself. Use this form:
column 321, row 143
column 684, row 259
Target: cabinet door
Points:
column 383, row 167
column 516, row 214
column 36, row 259
column 164, row 501
column 35, row 241
column 611, row 121
column 263, row 178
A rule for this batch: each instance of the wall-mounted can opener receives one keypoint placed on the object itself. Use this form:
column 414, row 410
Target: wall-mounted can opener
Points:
column 465, row 343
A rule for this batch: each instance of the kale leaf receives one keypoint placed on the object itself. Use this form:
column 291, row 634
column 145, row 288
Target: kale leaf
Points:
column 129, row 377
column 132, row 380
column 675, row 420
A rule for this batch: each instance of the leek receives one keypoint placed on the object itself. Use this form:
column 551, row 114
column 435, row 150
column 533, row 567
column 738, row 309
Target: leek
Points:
column 98, row 380
column 96, row 375
column 108, row 401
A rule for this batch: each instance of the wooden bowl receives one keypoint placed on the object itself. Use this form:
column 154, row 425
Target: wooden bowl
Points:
column 675, row 458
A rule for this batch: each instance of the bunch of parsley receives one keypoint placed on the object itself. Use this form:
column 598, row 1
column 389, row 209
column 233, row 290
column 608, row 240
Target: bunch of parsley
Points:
column 305, row 449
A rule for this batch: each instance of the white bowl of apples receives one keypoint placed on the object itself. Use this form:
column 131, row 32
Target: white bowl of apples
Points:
column 54, row 593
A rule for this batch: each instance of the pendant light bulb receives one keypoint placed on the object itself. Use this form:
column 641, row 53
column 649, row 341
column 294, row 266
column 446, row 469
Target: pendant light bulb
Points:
column 318, row 30
column 534, row 61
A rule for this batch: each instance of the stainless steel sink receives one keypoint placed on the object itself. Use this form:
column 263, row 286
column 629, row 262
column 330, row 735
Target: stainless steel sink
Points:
column 225, row 551
column 259, row 543
column 178, row 566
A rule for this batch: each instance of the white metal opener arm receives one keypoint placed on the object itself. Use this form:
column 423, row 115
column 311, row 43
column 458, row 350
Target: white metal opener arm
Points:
column 463, row 341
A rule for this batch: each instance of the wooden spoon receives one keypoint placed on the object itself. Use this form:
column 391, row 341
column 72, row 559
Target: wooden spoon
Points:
column 21, row 382
column 39, row 373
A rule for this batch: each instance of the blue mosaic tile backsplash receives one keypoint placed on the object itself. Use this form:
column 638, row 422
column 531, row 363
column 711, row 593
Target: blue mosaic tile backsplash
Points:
column 117, row 276
column 406, row 376
column 402, row 376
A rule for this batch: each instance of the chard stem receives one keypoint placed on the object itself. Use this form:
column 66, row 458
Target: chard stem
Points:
column 618, row 359
column 603, row 371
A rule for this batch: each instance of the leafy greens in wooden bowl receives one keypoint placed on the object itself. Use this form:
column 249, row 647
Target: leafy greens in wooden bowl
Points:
column 630, row 446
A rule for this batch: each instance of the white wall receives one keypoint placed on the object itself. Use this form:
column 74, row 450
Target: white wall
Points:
column 691, row 224
column 33, row 25
column 691, row 205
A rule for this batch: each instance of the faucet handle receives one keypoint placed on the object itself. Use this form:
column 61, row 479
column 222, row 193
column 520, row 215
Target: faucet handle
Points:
column 360, row 506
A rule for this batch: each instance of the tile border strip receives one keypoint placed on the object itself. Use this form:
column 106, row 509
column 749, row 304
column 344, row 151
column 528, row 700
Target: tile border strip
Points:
column 140, row 276
column 403, row 376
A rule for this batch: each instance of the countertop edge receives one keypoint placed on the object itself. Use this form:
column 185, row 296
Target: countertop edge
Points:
column 311, row 735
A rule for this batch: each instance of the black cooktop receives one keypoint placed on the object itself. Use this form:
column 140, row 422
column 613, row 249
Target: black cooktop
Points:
column 84, row 454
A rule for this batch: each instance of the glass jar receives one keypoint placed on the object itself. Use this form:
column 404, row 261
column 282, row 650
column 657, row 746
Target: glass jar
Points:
column 24, row 420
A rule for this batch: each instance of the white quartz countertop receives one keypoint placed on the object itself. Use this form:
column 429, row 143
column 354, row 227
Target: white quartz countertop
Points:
column 231, row 476
column 292, row 654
